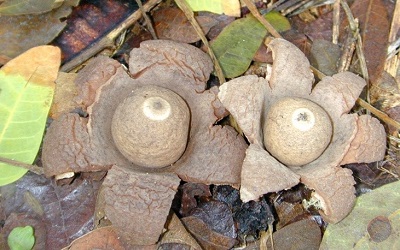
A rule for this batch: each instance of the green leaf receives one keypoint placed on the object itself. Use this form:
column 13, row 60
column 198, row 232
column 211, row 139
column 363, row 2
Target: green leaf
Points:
column 21, row 238
column 374, row 222
column 227, row 7
column 237, row 44
column 22, row 7
column 26, row 92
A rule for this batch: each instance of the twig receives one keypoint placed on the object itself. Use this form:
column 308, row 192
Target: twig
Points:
column 348, row 51
column 190, row 16
column 108, row 41
column 148, row 21
column 32, row 168
column 253, row 9
column 359, row 47
column 379, row 114
column 336, row 20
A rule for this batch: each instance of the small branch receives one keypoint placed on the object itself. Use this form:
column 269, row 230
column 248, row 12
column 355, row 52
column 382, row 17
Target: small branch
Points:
column 359, row 47
column 253, row 9
column 379, row 114
column 190, row 16
column 148, row 21
column 32, row 168
column 336, row 20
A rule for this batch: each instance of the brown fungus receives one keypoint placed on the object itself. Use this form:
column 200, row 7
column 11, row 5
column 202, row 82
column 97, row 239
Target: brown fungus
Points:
column 343, row 138
column 203, row 152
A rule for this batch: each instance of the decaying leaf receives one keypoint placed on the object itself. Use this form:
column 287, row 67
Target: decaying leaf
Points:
column 212, row 225
column 90, row 21
column 172, row 24
column 304, row 234
column 26, row 92
column 20, row 33
column 59, row 214
column 373, row 223
column 23, row 7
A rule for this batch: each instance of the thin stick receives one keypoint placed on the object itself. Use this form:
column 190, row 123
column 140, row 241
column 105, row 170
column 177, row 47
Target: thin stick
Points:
column 190, row 16
column 336, row 20
column 148, row 21
column 253, row 9
column 108, row 41
column 379, row 114
column 32, row 168
column 359, row 47
column 348, row 51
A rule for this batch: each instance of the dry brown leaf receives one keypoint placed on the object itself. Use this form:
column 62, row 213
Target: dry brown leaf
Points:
column 374, row 28
column 304, row 234
column 101, row 238
column 172, row 24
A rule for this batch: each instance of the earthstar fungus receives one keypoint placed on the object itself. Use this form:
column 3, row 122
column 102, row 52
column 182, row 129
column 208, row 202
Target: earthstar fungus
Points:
column 302, row 134
column 129, row 132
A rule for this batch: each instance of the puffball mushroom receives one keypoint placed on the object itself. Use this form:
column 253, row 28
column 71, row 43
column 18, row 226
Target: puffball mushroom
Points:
column 296, row 131
column 151, row 127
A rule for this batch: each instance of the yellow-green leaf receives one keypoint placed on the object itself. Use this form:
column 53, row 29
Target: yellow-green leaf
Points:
column 227, row 7
column 237, row 44
column 26, row 92
column 374, row 222
column 22, row 7
column 21, row 238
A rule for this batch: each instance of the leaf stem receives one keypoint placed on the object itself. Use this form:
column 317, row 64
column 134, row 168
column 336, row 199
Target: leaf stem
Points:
column 33, row 168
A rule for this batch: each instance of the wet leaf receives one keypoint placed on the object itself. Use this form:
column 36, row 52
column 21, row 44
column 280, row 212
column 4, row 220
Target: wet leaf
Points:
column 237, row 44
column 21, row 238
column 20, row 33
column 227, row 7
column 88, row 22
column 26, row 92
column 373, row 223
column 21, row 7
column 191, row 191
